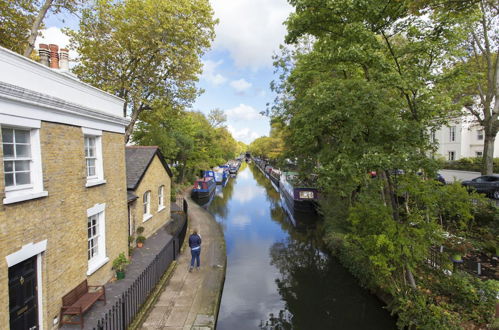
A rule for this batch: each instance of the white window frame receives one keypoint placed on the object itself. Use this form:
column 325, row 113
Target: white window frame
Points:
column 146, row 206
column 35, row 189
column 98, row 178
column 452, row 133
column 161, row 198
column 98, row 210
column 451, row 155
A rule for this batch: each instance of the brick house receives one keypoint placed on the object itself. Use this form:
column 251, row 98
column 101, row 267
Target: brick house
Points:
column 149, row 189
column 62, row 192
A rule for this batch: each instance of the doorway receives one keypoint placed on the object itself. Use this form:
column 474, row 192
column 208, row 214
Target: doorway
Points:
column 23, row 300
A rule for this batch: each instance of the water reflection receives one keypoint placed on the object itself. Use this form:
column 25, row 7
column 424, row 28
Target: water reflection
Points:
column 277, row 277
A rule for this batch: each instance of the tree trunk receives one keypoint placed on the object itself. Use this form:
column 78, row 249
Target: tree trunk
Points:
column 129, row 129
column 410, row 278
column 36, row 26
column 488, row 152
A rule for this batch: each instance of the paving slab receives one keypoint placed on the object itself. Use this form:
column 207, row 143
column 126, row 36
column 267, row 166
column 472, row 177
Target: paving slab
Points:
column 190, row 300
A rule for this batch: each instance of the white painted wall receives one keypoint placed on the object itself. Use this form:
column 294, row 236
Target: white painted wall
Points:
column 466, row 144
column 21, row 71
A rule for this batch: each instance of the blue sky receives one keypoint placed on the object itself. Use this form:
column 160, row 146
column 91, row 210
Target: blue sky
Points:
column 237, row 70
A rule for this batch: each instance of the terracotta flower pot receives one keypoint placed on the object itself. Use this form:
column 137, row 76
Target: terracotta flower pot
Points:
column 140, row 244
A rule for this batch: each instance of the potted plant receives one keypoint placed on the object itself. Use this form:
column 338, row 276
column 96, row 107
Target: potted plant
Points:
column 140, row 241
column 457, row 247
column 119, row 265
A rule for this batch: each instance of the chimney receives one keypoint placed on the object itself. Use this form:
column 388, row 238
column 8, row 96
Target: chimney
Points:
column 44, row 53
column 54, row 56
column 64, row 59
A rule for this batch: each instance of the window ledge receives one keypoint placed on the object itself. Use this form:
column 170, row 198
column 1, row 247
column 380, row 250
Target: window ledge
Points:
column 146, row 217
column 94, row 183
column 95, row 266
column 161, row 208
column 21, row 198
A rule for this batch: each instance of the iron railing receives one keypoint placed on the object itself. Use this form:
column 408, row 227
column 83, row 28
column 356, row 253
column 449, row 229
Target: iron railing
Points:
column 122, row 313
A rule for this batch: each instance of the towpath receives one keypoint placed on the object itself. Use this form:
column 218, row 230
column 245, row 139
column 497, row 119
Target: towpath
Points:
column 191, row 300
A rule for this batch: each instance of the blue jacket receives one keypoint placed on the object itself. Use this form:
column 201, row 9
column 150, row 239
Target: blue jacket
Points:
column 194, row 241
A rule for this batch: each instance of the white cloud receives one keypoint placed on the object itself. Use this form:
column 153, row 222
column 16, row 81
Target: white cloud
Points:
column 209, row 73
column 245, row 135
column 250, row 30
column 243, row 112
column 241, row 220
column 54, row 35
column 248, row 193
column 240, row 85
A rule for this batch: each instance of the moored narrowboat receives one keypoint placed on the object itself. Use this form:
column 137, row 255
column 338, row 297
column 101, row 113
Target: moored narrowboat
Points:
column 203, row 189
column 275, row 176
column 299, row 197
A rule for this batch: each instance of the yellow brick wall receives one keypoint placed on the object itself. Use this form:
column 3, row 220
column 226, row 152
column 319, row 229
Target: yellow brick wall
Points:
column 154, row 177
column 61, row 218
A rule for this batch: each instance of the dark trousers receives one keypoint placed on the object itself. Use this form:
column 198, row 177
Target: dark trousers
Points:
column 195, row 256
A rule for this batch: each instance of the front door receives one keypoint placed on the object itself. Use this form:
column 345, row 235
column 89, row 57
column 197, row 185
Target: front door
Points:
column 23, row 295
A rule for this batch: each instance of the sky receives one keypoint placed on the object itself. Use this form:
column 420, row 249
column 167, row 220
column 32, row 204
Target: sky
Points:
column 237, row 71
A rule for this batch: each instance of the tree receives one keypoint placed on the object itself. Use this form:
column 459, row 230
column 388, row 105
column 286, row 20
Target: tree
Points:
column 21, row 21
column 217, row 118
column 481, row 67
column 142, row 50
column 363, row 98
column 55, row 6
column 185, row 138
column 15, row 21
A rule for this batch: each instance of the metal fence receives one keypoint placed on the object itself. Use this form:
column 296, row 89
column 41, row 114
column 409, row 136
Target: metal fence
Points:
column 123, row 311
column 481, row 265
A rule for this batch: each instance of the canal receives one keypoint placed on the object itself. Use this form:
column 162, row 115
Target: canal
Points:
column 277, row 275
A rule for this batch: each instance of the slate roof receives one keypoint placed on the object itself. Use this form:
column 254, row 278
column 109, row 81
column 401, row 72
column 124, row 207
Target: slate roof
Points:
column 131, row 196
column 138, row 159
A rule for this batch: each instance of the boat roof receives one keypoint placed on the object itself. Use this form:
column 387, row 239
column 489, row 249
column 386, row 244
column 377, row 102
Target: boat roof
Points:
column 205, row 179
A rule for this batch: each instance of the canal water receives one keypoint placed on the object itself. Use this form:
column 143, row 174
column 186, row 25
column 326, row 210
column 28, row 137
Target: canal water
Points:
column 277, row 276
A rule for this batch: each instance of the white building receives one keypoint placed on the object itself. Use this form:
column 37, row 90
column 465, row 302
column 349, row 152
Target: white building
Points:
column 462, row 138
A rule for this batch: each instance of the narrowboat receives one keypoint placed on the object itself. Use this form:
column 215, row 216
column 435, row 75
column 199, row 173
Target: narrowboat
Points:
column 233, row 169
column 221, row 175
column 209, row 174
column 203, row 189
column 275, row 176
column 299, row 198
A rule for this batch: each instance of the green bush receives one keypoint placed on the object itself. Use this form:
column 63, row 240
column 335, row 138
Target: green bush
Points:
column 415, row 310
column 472, row 298
column 473, row 164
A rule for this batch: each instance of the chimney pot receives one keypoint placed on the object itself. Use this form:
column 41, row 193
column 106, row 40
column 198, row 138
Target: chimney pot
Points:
column 54, row 56
column 64, row 59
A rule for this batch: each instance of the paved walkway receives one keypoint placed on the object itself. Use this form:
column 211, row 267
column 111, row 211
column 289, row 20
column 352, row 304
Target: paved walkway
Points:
column 191, row 300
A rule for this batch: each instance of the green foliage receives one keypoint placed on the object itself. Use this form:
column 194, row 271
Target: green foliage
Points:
column 472, row 298
column 120, row 262
column 140, row 239
column 19, row 17
column 473, row 164
column 364, row 86
column 16, row 18
column 144, row 51
column 270, row 147
column 187, row 139
column 417, row 310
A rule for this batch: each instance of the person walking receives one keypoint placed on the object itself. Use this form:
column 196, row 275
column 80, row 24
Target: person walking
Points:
column 195, row 245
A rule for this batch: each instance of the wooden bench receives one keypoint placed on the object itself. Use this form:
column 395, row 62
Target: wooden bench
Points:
column 79, row 300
